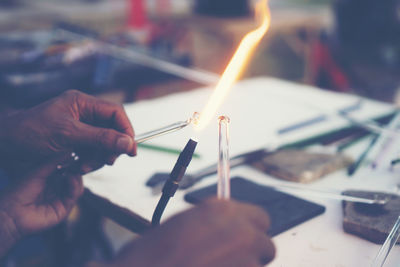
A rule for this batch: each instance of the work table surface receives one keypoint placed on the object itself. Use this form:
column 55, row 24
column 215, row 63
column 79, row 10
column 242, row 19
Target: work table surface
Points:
column 258, row 108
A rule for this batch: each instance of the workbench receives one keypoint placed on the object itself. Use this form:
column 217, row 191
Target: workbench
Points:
column 258, row 108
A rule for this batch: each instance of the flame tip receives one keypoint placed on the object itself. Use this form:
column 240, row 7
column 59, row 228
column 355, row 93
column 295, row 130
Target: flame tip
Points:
column 236, row 65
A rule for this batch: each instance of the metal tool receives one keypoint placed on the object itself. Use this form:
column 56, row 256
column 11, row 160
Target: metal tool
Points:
column 190, row 180
column 390, row 242
column 323, row 193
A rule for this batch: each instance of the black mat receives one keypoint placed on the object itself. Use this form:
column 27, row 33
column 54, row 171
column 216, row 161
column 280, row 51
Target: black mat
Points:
column 285, row 211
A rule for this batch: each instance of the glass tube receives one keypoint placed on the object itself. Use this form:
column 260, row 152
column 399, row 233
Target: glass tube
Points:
column 390, row 242
column 162, row 131
column 140, row 138
column 130, row 55
column 224, row 187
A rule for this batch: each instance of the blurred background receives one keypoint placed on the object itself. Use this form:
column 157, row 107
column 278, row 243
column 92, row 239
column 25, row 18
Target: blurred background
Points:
column 342, row 45
column 129, row 50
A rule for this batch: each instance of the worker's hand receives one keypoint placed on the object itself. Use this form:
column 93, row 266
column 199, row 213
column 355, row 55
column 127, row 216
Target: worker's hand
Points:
column 214, row 234
column 97, row 130
column 36, row 202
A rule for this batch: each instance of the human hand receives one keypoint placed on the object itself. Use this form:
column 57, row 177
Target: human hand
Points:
column 97, row 130
column 217, row 233
column 39, row 201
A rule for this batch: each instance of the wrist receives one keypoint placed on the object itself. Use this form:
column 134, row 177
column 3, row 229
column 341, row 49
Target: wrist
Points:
column 97, row 264
column 9, row 234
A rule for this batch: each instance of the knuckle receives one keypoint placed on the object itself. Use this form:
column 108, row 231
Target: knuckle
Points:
column 262, row 215
column 66, row 128
column 70, row 97
column 106, row 139
column 101, row 136
column 72, row 93
column 62, row 134
column 118, row 109
column 247, row 235
column 74, row 96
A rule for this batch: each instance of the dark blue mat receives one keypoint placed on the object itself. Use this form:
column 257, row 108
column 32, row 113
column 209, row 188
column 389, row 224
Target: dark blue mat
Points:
column 285, row 211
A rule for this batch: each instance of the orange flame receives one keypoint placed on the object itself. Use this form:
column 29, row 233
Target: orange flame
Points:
column 237, row 65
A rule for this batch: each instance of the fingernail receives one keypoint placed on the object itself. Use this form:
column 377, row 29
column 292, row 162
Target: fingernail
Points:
column 134, row 151
column 112, row 160
column 123, row 144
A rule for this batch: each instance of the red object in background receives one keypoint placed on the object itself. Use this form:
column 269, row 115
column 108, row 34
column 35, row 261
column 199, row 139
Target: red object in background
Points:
column 325, row 72
column 137, row 17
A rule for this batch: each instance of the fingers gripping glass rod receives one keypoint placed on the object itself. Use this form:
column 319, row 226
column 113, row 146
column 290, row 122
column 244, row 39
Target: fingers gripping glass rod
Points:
column 151, row 134
column 161, row 131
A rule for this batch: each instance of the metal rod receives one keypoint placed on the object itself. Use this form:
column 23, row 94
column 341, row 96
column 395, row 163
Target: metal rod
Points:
column 190, row 180
column 385, row 141
column 390, row 242
column 354, row 167
column 368, row 125
column 140, row 138
column 195, row 75
column 327, row 194
column 224, row 188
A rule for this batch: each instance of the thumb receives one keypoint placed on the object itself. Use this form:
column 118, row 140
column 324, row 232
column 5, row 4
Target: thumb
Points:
column 103, row 138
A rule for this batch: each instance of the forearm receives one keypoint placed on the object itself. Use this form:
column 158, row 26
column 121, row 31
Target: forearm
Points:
column 6, row 122
column 3, row 130
column 8, row 137
column 8, row 233
column 4, row 150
